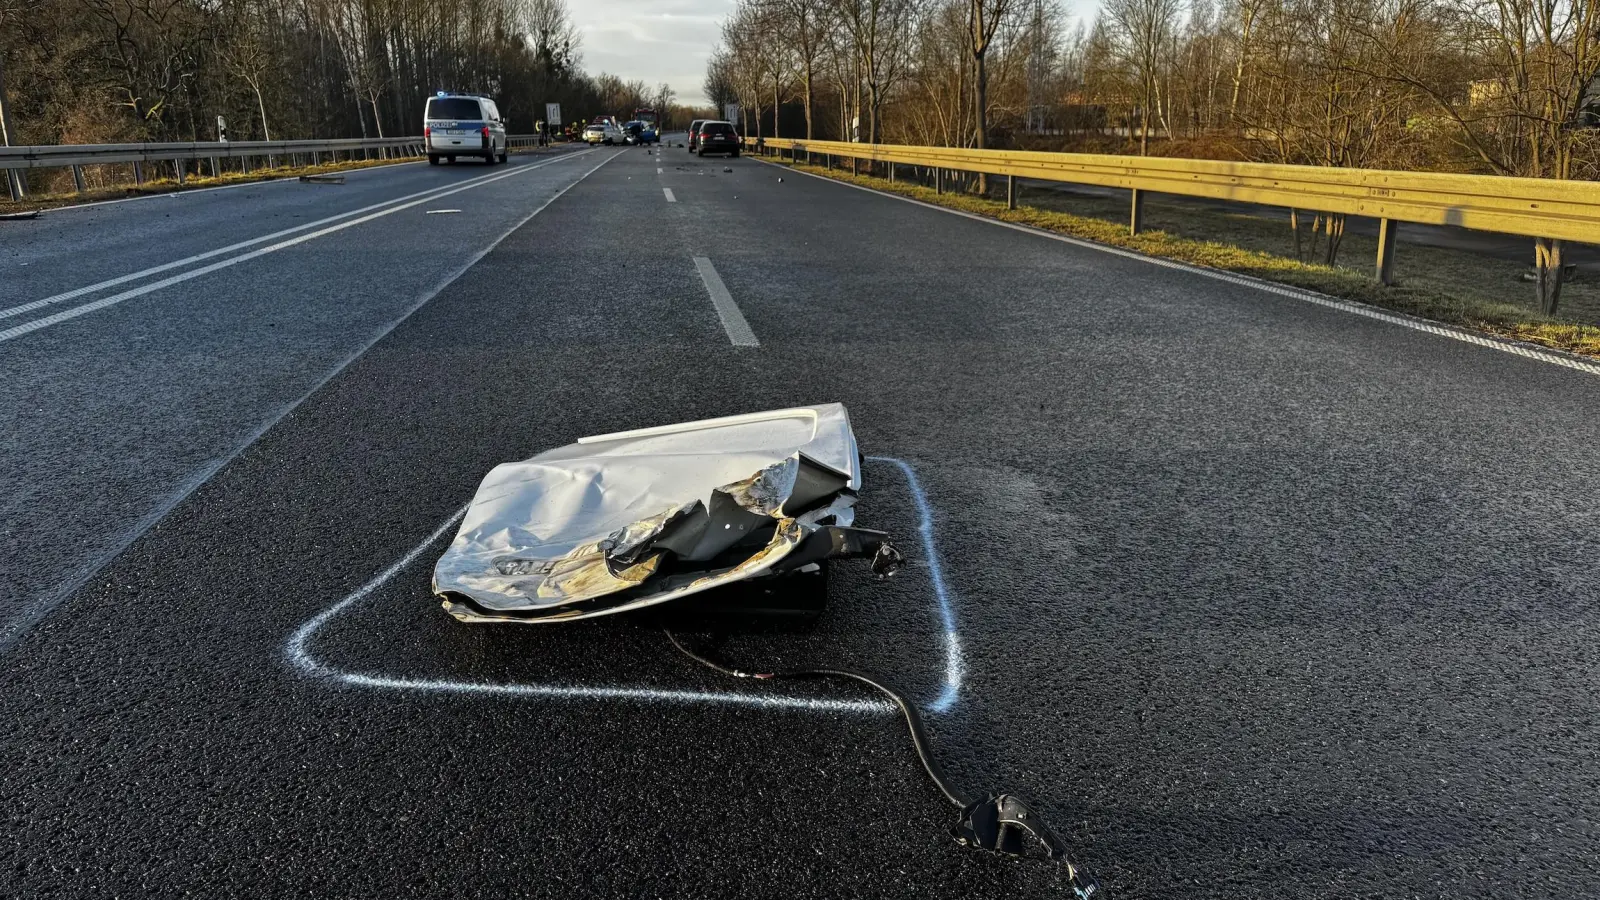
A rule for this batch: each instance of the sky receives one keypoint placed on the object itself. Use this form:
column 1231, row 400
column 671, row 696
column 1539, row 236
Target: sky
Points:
column 669, row 40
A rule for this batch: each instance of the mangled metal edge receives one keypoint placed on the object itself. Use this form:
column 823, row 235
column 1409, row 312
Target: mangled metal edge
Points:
column 618, row 522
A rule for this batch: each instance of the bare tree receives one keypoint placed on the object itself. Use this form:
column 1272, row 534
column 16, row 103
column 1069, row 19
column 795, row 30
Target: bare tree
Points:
column 984, row 18
column 879, row 32
column 803, row 25
column 1143, row 32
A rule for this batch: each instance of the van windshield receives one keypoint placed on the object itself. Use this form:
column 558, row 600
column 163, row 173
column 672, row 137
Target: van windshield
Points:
column 453, row 108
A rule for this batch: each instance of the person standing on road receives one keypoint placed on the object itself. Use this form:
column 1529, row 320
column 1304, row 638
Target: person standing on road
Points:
column 538, row 129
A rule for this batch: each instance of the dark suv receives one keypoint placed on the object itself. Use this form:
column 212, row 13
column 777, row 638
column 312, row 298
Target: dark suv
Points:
column 717, row 137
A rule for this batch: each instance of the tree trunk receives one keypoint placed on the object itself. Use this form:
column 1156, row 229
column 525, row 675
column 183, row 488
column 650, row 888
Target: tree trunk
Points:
column 261, row 104
column 8, row 136
column 1335, row 229
column 810, row 96
column 1144, row 121
column 981, row 114
column 1547, row 263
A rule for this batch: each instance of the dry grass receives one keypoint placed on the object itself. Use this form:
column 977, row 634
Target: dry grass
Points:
column 1450, row 286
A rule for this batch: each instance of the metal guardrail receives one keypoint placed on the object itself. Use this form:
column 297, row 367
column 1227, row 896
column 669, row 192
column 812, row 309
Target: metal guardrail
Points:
column 1533, row 207
column 144, row 156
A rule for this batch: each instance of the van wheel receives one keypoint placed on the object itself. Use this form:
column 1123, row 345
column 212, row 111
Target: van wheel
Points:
column 505, row 156
column 734, row 154
column 433, row 159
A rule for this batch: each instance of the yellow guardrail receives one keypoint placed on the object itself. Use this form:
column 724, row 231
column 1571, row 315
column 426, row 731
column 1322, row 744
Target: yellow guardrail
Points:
column 1533, row 207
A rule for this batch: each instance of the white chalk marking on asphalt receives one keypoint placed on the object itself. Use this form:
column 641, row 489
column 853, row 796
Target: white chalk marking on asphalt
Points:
column 1527, row 351
column 302, row 659
column 33, row 612
column 670, row 198
column 442, row 212
column 728, row 311
column 188, row 260
column 17, row 331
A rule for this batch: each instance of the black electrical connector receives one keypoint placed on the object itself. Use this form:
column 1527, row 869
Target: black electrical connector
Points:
column 996, row 822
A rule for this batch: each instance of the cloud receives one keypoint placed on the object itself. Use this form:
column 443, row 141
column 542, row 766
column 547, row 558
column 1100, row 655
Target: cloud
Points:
column 652, row 40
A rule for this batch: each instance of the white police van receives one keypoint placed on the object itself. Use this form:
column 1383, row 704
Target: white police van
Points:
column 463, row 125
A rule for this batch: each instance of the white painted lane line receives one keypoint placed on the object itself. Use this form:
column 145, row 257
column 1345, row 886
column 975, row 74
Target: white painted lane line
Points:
column 732, row 319
column 174, row 195
column 33, row 612
column 670, row 198
column 76, row 311
column 198, row 257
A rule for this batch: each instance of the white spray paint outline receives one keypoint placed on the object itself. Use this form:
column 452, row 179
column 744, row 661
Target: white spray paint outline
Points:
column 305, row 663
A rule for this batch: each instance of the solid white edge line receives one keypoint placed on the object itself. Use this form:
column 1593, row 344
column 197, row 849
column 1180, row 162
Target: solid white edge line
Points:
column 12, row 630
column 33, row 325
column 221, row 187
column 1354, row 307
column 733, row 322
column 240, row 245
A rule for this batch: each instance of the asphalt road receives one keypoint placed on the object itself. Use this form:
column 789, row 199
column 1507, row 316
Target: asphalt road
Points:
column 1255, row 598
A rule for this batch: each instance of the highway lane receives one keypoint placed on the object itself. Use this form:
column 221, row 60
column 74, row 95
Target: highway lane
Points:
column 1257, row 598
column 69, row 248
column 115, row 414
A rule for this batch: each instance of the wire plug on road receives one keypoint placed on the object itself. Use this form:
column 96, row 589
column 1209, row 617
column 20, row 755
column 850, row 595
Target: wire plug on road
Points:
column 995, row 822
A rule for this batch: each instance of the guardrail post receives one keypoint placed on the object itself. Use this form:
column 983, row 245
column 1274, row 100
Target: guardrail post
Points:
column 77, row 179
column 138, row 172
column 855, row 166
column 244, row 164
column 215, row 170
column 1011, row 192
column 177, row 166
column 14, row 185
column 938, row 180
column 1136, row 215
column 1386, row 235
column 891, row 173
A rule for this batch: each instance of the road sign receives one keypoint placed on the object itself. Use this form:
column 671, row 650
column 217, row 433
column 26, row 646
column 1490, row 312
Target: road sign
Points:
column 552, row 114
column 731, row 112
column 222, row 128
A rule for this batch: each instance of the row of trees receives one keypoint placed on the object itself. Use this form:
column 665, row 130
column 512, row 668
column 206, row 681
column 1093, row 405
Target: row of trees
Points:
column 100, row 71
column 1493, row 86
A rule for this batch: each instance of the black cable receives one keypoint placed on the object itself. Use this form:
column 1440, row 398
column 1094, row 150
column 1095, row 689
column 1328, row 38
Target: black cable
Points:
column 992, row 822
column 919, row 734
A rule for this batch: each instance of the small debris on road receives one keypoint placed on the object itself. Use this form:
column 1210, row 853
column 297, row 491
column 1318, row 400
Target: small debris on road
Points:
column 322, row 179
column 780, row 181
column 727, row 168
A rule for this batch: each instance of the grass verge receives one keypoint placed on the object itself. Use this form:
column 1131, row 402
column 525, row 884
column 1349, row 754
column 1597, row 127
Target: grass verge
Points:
column 1429, row 297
